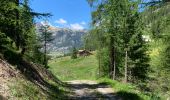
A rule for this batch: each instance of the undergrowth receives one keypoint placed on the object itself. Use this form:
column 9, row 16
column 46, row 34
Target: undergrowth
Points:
column 125, row 90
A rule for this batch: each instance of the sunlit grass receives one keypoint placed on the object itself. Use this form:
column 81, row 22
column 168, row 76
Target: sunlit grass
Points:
column 125, row 89
column 82, row 68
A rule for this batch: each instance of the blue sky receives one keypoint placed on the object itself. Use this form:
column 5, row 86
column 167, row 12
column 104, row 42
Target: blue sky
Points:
column 74, row 14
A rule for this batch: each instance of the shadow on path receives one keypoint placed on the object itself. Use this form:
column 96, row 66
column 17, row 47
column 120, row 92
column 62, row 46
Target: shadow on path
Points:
column 91, row 90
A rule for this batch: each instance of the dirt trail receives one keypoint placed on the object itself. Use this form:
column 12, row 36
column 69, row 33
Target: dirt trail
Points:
column 91, row 90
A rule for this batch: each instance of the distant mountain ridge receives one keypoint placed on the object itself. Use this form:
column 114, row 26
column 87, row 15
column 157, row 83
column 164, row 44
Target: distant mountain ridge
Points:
column 64, row 39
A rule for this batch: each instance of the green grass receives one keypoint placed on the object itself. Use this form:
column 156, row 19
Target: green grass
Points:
column 22, row 89
column 82, row 68
column 125, row 90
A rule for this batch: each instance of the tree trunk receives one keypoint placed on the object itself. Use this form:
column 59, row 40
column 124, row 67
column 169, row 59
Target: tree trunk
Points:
column 45, row 49
column 112, row 60
column 114, row 63
column 17, row 38
column 23, row 51
column 99, row 63
column 125, row 80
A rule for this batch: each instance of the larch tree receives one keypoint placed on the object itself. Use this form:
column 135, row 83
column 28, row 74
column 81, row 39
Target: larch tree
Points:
column 45, row 36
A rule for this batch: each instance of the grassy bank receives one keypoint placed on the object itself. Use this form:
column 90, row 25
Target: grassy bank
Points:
column 126, row 91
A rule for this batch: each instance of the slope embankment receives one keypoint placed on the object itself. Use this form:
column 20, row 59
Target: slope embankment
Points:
column 26, row 80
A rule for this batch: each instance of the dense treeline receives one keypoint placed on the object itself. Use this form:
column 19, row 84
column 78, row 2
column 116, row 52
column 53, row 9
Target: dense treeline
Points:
column 132, row 40
column 157, row 26
column 17, row 31
column 118, row 27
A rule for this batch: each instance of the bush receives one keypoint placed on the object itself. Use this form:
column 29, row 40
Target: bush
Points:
column 74, row 53
column 103, row 58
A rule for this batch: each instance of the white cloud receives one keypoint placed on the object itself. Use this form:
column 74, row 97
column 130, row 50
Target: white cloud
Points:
column 57, row 26
column 46, row 23
column 76, row 26
column 61, row 21
column 83, row 23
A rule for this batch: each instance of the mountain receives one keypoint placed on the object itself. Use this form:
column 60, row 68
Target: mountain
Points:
column 64, row 39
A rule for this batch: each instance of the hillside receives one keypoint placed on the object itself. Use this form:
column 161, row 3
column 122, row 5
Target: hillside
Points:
column 64, row 39
column 6, row 74
column 14, row 85
column 23, row 80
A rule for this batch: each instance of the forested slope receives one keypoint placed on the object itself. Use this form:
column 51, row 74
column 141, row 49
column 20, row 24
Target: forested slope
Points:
column 158, row 28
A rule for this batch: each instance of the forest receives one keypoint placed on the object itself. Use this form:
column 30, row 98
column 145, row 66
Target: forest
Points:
column 129, row 41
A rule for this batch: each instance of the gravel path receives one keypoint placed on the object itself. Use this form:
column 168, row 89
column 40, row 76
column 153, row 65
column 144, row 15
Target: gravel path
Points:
column 91, row 90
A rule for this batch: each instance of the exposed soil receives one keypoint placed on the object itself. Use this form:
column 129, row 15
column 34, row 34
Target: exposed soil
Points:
column 6, row 73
